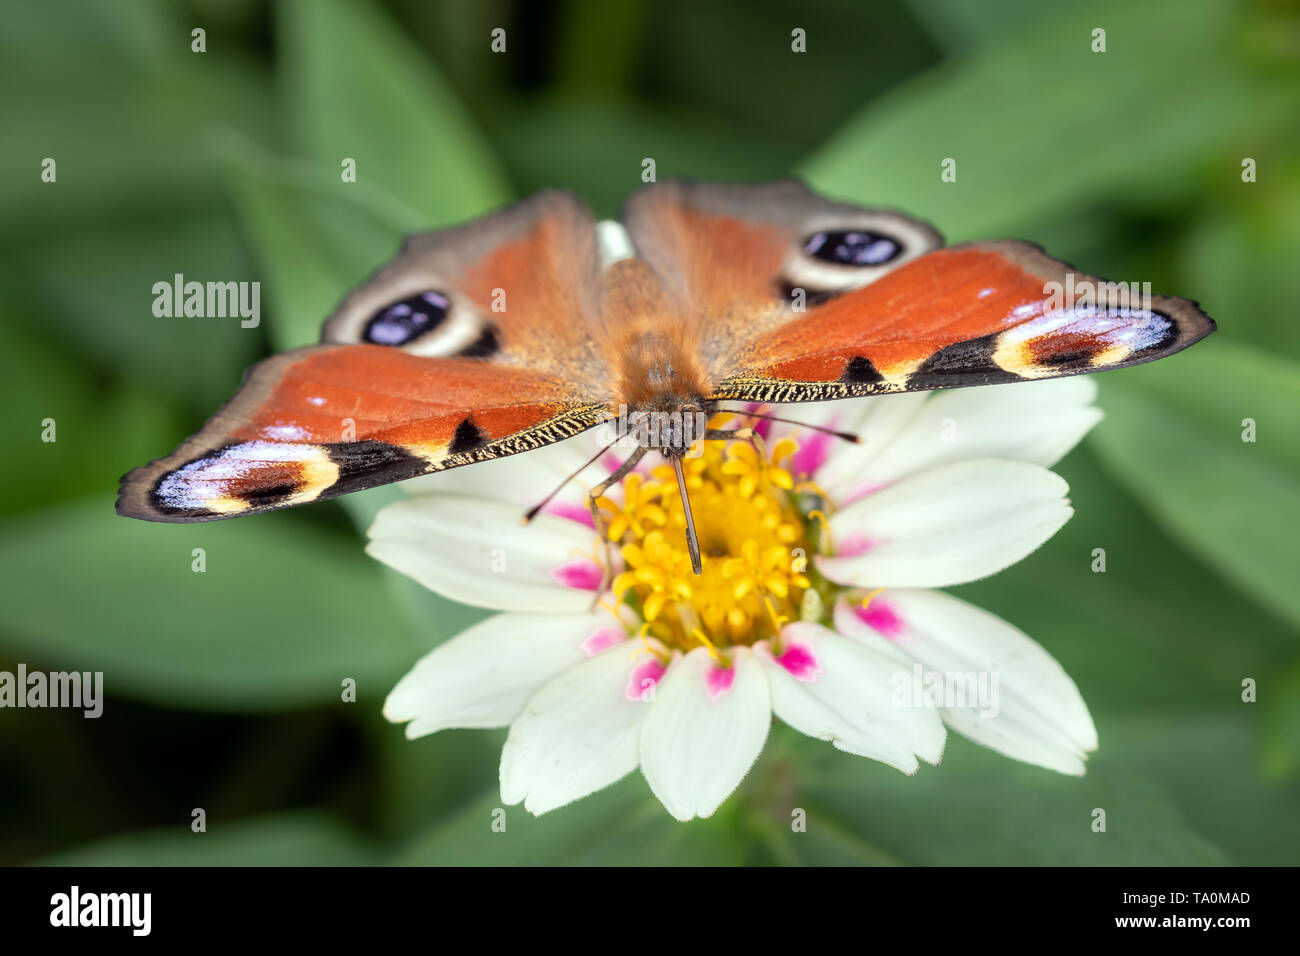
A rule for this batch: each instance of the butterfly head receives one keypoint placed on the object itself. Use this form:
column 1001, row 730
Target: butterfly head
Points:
column 670, row 427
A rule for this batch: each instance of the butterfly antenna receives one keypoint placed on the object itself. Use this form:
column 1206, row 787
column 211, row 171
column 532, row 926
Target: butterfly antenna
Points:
column 691, row 540
column 847, row 436
column 532, row 512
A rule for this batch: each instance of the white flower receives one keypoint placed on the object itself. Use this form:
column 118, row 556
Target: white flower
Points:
column 814, row 603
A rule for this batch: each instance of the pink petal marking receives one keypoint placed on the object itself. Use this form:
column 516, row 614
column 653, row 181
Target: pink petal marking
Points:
column 574, row 512
column 644, row 678
column 762, row 427
column 855, row 544
column 718, row 680
column 602, row 639
column 800, row 661
column 814, row 449
column 881, row 616
column 861, row 491
column 583, row 574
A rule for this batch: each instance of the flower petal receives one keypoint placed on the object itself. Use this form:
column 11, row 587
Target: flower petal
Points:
column 483, row 676
column 948, row 525
column 850, row 699
column 576, row 735
column 475, row 551
column 696, row 746
column 1035, row 713
column 878, row 424
column 1036, row 422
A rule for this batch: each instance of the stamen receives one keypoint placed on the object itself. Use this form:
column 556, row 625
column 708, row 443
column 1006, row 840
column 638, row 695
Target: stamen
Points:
column 826, row 530
column 867, row 600
column 811, row 487
column 732, row 502
column 703, row 639
column 778, row 620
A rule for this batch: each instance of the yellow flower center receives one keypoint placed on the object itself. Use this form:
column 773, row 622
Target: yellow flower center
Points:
column 753, row 547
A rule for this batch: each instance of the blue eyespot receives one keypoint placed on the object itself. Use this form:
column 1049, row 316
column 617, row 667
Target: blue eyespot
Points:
column 852, row 247
column 406, row 320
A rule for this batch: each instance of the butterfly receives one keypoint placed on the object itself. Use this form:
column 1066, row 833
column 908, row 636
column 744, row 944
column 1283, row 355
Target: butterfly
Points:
column 535, row 323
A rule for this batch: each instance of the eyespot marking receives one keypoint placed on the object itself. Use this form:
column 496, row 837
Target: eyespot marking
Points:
column 852, row 247
column 407, row 319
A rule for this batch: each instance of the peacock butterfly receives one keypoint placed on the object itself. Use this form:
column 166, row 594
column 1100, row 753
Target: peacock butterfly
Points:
column 533, row 324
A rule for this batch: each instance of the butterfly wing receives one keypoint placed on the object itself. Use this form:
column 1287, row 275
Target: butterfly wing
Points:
column 470, row 345
column 885, row 308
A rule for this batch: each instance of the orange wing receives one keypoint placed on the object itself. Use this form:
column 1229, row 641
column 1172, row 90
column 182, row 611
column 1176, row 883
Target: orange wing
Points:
column 327, row 420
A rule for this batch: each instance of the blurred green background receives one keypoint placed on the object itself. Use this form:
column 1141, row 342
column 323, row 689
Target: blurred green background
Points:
column 224, row 686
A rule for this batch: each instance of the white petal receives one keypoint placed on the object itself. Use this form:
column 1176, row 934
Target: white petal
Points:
column 695, row 747
column 575, row 736
column 1036, row 422
column 882, row 421
column 948, row 525
column 476, row 552
column 851, row 701
column 1034, row 712
column 877, row 421
column 483, row 675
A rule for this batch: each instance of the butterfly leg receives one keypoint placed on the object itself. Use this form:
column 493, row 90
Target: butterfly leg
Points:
column 599, row 520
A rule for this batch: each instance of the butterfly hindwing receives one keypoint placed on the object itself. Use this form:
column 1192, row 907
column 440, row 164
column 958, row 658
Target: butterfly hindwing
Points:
column 518, row 287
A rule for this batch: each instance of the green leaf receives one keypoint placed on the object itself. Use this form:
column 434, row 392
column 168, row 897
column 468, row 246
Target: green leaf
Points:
column 1279, row 695
column 1041, row 127
column 978, row 808
column 100, row 283
column 1240, row 255
column 288, row 839
column 963, row 26
column 281, row 616
column 313, row 242
column 1147, row 634
column 389, row 109
column 1174, row 438
column 622, row 825
column 99, row 432
column 1208, row 763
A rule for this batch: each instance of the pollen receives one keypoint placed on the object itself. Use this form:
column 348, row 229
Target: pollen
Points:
column 753, row 547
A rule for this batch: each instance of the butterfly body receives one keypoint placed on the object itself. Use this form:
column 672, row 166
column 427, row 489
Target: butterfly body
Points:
column 523, row 328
